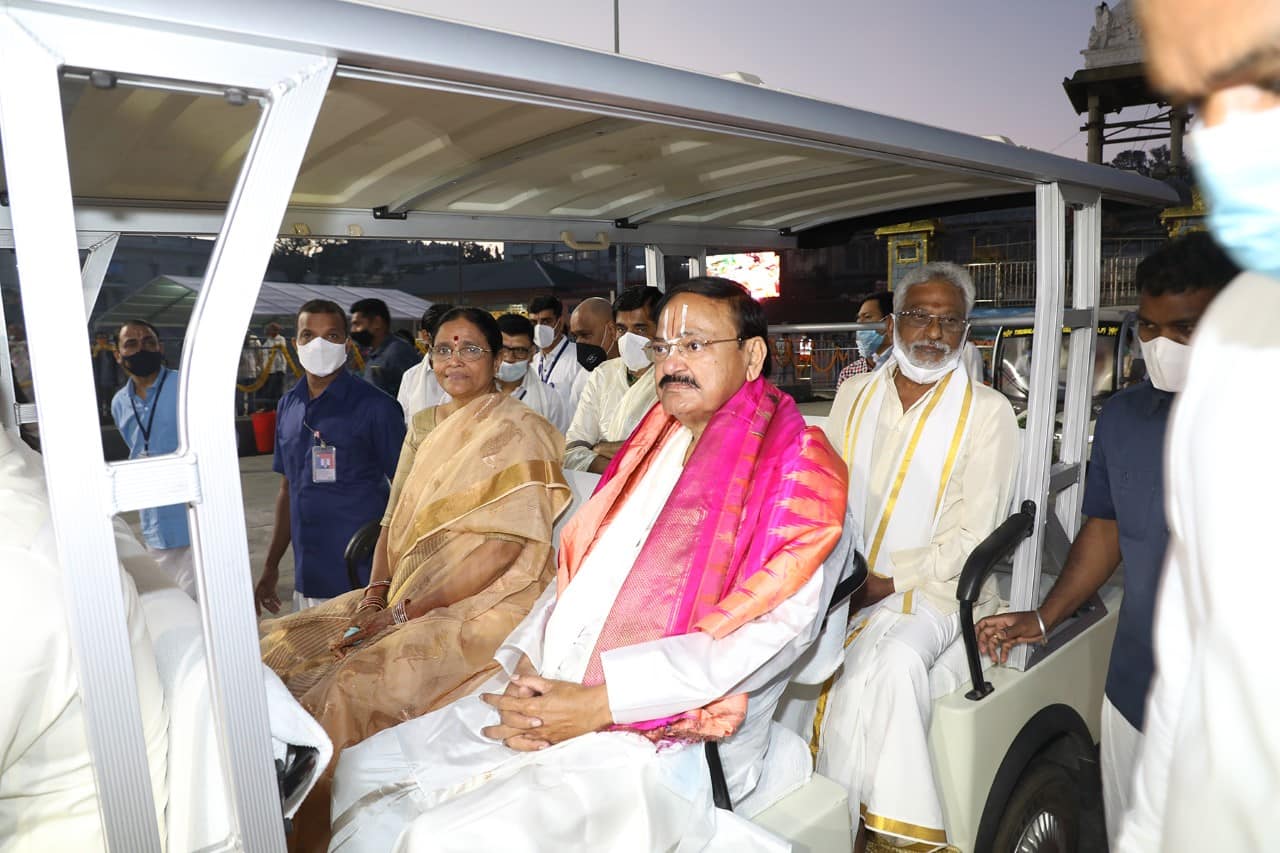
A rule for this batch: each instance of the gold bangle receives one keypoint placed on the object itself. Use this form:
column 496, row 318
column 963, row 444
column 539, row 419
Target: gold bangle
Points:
column 399, row 614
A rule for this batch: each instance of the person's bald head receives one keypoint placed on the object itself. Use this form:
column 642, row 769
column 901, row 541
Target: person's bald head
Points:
column 592, row 323
column 1220, row 56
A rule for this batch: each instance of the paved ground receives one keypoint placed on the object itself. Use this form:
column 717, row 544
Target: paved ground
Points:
column 260, row 485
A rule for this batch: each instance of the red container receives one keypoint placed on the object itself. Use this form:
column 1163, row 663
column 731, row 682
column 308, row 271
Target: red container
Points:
column 264, row 431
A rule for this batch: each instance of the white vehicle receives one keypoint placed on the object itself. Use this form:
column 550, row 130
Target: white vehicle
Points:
column 246, row 120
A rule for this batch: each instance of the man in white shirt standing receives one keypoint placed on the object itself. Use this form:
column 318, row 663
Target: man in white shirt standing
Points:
column 931, row 454
column 514, row 376
column 1207, row 778
column 618, row 392
column 278, row 365
column 556, row 363
column 419, row 388
column 687, row 587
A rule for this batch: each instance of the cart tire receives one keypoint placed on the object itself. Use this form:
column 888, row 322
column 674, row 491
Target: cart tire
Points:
column 1043, row 814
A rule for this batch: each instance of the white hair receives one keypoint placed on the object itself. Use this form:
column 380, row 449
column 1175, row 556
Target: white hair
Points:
column 944, row 271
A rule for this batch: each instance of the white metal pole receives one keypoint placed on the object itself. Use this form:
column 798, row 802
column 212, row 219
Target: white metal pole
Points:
column 1085, row 293
column 223, row 572
column 655, row 272
column 1042, row 398
column 39, row 186
column 698, row 264
column 95, row 270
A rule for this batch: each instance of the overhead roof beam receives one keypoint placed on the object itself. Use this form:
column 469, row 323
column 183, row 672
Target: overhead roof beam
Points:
column 677, row 205
column 206, row 221
column 485, row 166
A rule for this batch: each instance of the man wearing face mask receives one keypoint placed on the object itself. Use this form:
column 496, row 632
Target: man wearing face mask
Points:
column 145, row 411
column 1124, row 505
column 931, row 455
column 556, row 363
column 618, row 392
column 386, row 356
column 515, row 378
column 872, row 344
column 337, row 443
column 419, row 388
column 1206, row 777
column 592, row 323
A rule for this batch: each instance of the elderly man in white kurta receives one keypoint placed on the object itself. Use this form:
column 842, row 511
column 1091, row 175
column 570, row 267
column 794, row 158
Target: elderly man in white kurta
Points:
column 619, row 392
column 931, row 455
column 48, row 799
column 687, row 587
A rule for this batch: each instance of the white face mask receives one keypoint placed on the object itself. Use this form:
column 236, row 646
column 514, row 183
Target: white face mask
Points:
column 1237, row 169
column 632, row 349
column 1167, row 363
column 321, row 358
column 544, row 336
column 926, row 374
column 512, row 371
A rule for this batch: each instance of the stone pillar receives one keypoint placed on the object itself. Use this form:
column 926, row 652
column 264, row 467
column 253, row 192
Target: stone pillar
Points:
column 1094, row 126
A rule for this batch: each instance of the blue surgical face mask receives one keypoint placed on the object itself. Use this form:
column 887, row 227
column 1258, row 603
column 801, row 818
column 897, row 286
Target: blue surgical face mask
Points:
column 1239, row 173
column 868, row 341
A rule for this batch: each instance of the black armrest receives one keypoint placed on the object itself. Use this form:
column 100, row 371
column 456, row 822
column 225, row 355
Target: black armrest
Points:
column 719, row 786
column 847, row 587
column 843, row 590
column 361, row 546
column 1000, row 544
column 292, row 772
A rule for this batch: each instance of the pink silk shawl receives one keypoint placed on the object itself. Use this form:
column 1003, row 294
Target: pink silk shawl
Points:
column 756, row 510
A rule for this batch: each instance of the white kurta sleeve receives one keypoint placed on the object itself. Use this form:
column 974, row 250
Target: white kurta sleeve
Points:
column 675, row 674
column 976, row 502
column 526, row 639
column 584, row 429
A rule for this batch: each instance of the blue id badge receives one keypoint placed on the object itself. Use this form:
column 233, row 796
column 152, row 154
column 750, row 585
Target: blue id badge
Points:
column 324, row 465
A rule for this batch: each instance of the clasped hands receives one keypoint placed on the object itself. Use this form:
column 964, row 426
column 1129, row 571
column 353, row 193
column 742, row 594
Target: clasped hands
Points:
column 537, row 712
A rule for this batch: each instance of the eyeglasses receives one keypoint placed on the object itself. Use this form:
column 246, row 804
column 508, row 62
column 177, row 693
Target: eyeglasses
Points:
column 518, row 352
column 923, row 320
column 470, row 352
column 689, row 348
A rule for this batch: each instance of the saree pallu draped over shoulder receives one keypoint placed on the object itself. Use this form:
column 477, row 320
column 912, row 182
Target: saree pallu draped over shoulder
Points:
column 489, row 471
column 757, row 509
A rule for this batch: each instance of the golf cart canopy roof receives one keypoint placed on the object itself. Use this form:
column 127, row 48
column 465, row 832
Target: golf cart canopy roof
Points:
column 453, row 131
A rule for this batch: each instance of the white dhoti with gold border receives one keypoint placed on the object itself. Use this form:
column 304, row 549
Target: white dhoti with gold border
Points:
column 872, row 724
column 874, row 721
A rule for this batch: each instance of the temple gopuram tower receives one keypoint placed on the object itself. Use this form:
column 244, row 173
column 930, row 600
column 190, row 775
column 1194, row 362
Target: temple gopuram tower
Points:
column 1113, row 79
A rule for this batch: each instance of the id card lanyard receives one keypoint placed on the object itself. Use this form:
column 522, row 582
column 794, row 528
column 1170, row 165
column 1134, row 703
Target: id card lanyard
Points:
column 151, row 416
column 545, row 376
column 324, row 458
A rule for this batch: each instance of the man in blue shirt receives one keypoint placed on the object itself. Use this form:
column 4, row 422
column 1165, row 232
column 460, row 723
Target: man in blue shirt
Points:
column 1124, row 505
column 337, row 443
column 386, row 357
column 145, row 411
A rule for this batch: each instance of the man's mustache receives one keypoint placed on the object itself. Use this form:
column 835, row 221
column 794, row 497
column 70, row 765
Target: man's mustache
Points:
column 680, row 379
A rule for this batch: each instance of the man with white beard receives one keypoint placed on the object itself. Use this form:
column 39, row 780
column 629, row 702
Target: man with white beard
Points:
column 931, row 453
column 1209, row 774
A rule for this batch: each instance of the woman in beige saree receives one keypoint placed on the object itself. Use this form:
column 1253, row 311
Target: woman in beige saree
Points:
column 464, row 552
